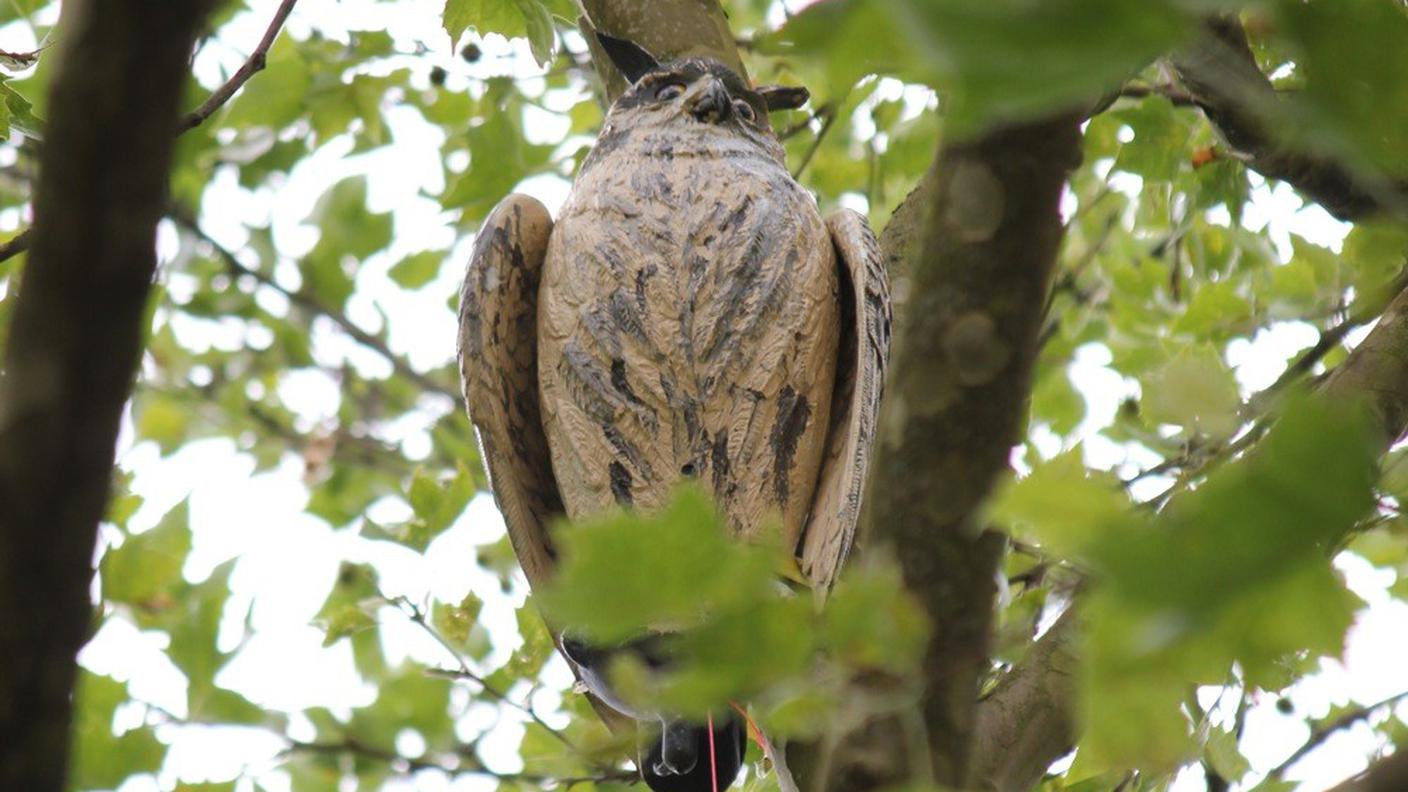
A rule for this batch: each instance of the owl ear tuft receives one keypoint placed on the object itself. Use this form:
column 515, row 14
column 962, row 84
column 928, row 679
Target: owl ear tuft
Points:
column 629, row 58
column 783, row 97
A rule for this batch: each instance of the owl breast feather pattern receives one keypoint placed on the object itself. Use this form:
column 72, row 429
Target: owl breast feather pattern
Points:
column 688, row 327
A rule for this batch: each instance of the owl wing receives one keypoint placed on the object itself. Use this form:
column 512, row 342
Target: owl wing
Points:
column 498, row 353
column 855, row 406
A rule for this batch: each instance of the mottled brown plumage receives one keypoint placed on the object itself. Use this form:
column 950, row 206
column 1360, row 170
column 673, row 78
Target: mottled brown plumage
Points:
column 688, row 320
column 692, row 309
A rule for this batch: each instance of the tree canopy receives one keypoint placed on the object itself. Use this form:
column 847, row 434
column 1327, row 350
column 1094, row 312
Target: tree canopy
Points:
column 1135, row 483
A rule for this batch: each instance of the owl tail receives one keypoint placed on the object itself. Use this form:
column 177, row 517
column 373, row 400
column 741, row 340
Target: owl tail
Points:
column 679, row 760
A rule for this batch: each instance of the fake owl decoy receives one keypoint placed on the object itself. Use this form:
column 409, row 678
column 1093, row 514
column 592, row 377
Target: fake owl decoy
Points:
column 689, row 315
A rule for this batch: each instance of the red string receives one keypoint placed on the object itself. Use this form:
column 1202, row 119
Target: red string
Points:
column 713, row 766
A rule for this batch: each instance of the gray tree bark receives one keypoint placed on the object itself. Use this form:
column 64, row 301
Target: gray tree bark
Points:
column 74, row 343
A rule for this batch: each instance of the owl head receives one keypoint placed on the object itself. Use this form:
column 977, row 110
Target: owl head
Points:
column 693, row 90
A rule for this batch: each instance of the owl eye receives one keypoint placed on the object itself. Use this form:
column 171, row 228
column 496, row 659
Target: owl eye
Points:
column 744, row 110
column 669, row 91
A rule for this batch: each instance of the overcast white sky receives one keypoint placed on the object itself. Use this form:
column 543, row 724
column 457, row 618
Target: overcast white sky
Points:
column 288, row 558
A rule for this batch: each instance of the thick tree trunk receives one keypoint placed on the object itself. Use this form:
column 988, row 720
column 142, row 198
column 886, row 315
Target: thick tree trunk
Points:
column 667, row 29
column 969, row 312
column 74, row 343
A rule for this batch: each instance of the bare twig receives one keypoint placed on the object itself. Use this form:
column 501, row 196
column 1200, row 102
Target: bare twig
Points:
column 17, row 244
column 1321, row 733
column 308, row 301
column 793, row 130
column 830, row 118
column 1329, row 339
column 417, row 616
column 253, row 65
column 360, row 749
column 1179, row 98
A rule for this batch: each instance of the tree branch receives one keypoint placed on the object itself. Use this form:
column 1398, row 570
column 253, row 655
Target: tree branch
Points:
column 1377, row 369
column 417, row 616
column 1026, row 724
column 972, row 250
column 16, row 245
column 668, row 29
column 1322, row 733
column 311, row 303
column 75, row 340
column 1386, row 775
column 253, row 65
column 828, row 118
column 1222, row 76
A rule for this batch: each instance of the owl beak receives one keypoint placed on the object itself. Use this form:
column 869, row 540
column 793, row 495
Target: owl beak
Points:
column 708, row 101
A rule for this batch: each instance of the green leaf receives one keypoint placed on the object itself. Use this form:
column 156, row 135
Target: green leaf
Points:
column 1195, row 390
column 347, row 231
column 439, row 504
column 344, row 620
column 407, row 698
column 163, row 420
column 1348, row 86
column 145, row 569
column 347, row 613
column 1375, row 255
column 624, row 572
column 1160, row 144
column 1062, row 505
column 871, row 623
column 542, row 38
column 18, row 114
column 1056, row 400
column 1235, row 571
column 999, row 59
column 277, row 97
column 510, row 18
column 1224, row 756
column 499, row 159
column 459, row 624
column 102, row 760
column 417, row 269
column 436, row 506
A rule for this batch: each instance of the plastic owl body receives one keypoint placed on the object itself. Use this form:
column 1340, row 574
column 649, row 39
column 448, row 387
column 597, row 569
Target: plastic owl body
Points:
column 688, row 316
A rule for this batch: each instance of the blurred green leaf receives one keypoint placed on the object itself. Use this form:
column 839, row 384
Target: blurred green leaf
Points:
column 1160, row 144
column 1347, row 87
column 278, row 100
column 999, row 59
column 407, row 699
column 102, row 760
column 1063, row 505
column 147, row 567
column 626, row 572
column 348, row 613
column 417, row 269
column 1195, row 390
column 1237, row 570
column 348, row 231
